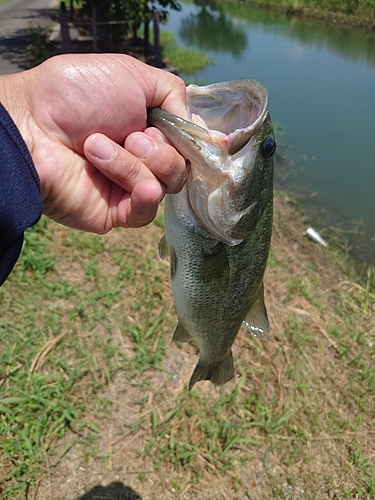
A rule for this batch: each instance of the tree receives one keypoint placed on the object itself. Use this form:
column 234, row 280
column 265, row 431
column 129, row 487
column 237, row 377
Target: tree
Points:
column 133, row 13
column 162, row 7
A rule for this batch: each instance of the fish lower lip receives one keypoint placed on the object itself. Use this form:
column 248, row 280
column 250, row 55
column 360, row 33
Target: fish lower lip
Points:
column 157, row 117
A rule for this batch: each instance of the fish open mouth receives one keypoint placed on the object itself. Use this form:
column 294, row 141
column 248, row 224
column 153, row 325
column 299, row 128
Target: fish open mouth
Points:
column 227, row 109
column 224, row 115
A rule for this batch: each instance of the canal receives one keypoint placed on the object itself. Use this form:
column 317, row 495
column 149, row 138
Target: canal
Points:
column 321, row 83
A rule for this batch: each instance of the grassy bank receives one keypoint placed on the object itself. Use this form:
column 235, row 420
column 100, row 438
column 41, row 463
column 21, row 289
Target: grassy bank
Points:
column 93, row 393
column 186, row 61
column 354, row 12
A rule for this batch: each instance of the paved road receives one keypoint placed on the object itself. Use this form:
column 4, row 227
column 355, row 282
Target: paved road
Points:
column 15, row 18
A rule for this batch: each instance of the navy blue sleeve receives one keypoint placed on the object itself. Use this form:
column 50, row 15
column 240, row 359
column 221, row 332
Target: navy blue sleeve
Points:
column 20, row 203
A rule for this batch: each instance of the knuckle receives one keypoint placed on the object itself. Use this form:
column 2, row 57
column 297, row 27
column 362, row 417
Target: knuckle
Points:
column 133, row 168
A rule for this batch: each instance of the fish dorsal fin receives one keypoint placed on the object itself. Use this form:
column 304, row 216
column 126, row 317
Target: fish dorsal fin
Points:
column 181, row 334
column 256, row 320
column 166, row 251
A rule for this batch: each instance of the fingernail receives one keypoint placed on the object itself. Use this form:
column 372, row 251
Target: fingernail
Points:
column 139, row 145
column 102, row 148
column 157, row 199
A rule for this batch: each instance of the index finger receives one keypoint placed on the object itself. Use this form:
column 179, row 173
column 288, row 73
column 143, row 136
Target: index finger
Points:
column 161, row 88
column 171, row 96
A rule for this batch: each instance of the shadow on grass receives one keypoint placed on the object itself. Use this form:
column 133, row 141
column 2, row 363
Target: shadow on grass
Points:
column 115, row 491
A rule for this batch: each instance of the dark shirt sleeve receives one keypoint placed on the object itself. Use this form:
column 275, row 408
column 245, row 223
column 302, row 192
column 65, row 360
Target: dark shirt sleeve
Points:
column 20, row 203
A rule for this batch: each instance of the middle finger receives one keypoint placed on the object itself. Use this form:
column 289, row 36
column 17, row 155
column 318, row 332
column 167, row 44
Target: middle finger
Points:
column 159, row 156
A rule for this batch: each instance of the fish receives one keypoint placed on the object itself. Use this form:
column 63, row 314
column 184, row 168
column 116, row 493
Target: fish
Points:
column 218, row 227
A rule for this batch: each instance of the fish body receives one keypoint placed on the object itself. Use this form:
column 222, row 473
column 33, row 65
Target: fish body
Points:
column 218, row 228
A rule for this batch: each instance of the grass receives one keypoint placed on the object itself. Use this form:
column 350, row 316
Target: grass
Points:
column 45, row 358
column 91, row 389
column 166, row 37
column 186, row 61
column 356, row 12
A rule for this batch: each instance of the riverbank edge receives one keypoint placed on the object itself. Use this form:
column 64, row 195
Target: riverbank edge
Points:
column 295, row 9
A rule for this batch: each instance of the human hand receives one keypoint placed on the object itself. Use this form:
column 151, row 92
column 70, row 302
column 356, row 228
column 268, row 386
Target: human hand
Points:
column 84, row 120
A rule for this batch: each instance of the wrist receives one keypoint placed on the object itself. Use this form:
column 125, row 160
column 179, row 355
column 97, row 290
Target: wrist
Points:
column 14, row 96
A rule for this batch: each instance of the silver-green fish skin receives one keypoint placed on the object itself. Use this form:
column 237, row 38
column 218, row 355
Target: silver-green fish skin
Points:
column 218, row 228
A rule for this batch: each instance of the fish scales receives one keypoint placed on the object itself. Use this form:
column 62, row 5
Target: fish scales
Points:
column 217, row 266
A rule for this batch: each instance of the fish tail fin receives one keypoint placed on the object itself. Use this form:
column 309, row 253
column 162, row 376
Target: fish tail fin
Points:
column 218, row 373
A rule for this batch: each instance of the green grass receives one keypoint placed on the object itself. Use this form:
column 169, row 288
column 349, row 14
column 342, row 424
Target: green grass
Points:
column 45, row 358
column 187, row 61
column 88, row 376
column 356, row 12
column 166, row 36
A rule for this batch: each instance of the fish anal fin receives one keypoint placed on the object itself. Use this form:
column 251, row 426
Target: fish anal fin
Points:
column 181, row 334
column 166, row 251
column 218, row 373
column 256, row 320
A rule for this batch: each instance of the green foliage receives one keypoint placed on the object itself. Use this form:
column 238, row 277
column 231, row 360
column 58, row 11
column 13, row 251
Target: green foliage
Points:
column 363, row 467
column 133, row 11
column 37, row 49
column 360, row 9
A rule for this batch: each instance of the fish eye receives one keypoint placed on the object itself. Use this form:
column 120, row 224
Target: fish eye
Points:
column 268, row 147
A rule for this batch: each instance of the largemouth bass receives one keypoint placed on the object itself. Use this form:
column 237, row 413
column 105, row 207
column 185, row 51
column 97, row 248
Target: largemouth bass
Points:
column 218, row 228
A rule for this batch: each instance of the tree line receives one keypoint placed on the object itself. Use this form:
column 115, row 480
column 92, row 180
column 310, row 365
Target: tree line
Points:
column 126, row 16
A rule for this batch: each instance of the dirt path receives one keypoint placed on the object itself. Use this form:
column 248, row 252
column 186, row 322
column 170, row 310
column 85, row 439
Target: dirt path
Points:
column 15, row 18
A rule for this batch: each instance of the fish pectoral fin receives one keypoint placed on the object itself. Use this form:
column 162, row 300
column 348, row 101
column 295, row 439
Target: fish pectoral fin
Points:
column 166, row 251
column 218, row 373
column 163, row 248
column 256, row 320
column 181, row 334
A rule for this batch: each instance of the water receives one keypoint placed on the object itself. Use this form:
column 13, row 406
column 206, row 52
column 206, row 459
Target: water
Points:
column 321, row 83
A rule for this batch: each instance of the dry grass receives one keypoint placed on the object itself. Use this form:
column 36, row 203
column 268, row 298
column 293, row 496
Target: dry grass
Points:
column 296, row 423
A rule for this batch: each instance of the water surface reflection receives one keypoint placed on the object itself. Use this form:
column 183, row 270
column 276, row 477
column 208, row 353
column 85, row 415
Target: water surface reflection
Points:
column 224, row 34
column 321, row 82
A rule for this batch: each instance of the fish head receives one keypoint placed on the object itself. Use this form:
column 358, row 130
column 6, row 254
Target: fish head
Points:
column 228, row 145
